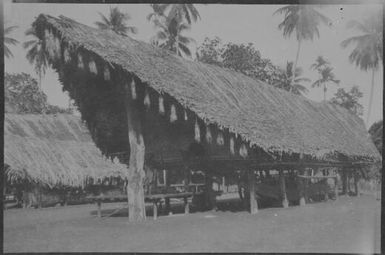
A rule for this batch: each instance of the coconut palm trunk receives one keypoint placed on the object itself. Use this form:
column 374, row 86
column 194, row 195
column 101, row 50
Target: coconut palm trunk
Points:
column 296, row 61
column 371, row 97
column 324, row 92
column 40, row 80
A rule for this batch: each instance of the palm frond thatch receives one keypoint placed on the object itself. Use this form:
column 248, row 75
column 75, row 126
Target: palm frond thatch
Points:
column 264, row 116
column 53, row 149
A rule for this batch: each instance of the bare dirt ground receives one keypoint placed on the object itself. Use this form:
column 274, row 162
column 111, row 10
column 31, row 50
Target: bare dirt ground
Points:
column 349, row 225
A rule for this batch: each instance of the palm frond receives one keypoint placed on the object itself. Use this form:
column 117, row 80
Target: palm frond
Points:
column 8, row 30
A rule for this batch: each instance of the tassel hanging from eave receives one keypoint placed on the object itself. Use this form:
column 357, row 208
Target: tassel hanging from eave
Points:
column 92, row 66
column 147, row 101
column 49, row 43
column 106, row 73
column 67, row 57
column 220, row 139
column 161, row 105
column 209, row 137
column 232, row 145
column 197, row 132
column 243, row 151
column 185, row 115
column 173, row 116
column 57, row 47
column 133, row 89
column 80, row 61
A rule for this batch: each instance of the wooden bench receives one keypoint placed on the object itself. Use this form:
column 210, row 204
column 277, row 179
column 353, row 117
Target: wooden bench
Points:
column 153, row 198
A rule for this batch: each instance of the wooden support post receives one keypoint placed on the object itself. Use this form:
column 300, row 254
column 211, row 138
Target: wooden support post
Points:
column 167, row 199
column 155, row 209
column 326, row 194
column 99, row 208
column 301, row 185
column 135, row 173
column 285, row 202
column 186, row 206
column 356, row 180
column 209, row 190
column 252, row 189
column 344, row 181
column 336, row 188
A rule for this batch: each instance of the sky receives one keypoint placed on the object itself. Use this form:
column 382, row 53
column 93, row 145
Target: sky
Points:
column 232, row 23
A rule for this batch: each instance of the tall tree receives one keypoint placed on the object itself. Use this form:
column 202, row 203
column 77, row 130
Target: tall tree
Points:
column 376, row 131
column 287, row 83
column 9, row 41
column 117, row 22
column 210, row 51
column 170, row 36
column 243, row 58
column 22, row 95
column 326, row 76
column 368, row 50
column 304, row 20
column 349, row 99
column 36, row 55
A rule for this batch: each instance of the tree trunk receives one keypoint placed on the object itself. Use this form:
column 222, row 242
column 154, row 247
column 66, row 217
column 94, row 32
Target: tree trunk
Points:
column 324, row 92
column 135, row 174
column 370, row 98
column 295, row 65
column 39, row 80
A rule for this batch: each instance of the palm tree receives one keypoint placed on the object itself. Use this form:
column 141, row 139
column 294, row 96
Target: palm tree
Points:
column 320, row 63
column 158, row 11
column 116, row 22
column 304, row 20
column 9, row 41
column 36, row 55
column 367, row 54
column 287, row 83
column 169, row 36
column 326, row 76
column 186, row 12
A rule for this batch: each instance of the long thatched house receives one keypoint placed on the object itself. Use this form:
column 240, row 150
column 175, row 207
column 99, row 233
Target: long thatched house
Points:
column 168, row 111
column 53, row 150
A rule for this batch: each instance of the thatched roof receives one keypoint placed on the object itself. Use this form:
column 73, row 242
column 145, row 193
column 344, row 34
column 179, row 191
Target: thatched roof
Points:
column 54, row 149
column 272, row 119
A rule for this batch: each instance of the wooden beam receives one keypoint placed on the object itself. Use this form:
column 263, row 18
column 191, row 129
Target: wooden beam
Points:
column 317, row 177
column 252, row 163
column 252, row 190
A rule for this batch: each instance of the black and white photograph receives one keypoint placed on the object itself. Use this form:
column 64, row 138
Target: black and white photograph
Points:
column 184, row 127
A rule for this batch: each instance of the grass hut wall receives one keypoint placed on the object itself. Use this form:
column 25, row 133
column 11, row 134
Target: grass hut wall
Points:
column 263, row 120
column 54, row 149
